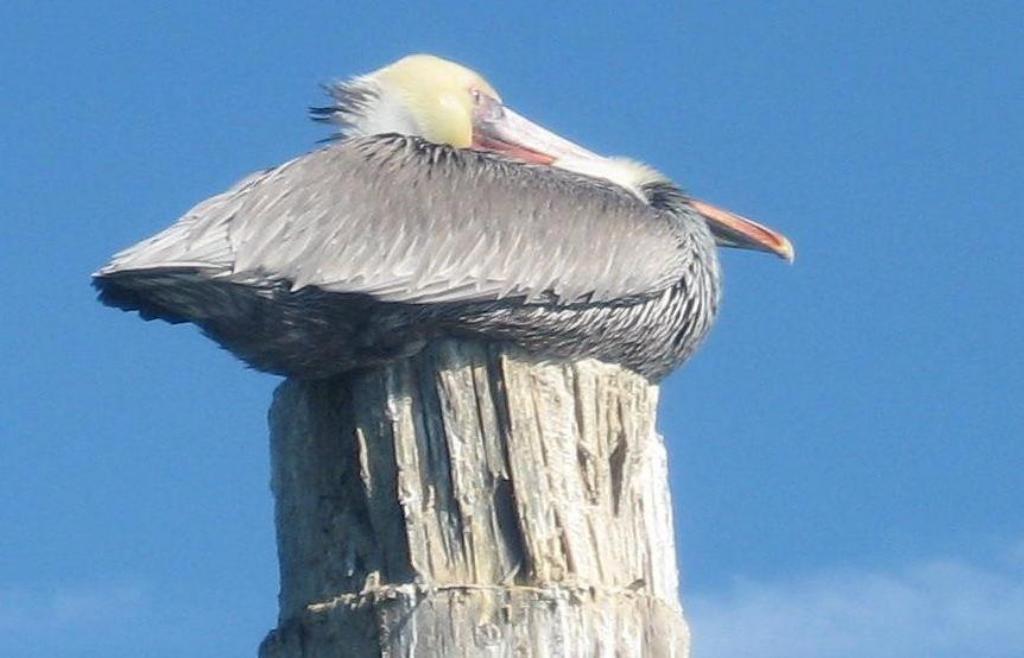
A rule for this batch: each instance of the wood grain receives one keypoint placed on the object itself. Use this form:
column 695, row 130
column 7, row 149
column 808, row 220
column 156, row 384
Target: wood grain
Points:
column 474, row 501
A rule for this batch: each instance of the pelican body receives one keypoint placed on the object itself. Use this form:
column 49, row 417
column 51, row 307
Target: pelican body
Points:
column 439, row 212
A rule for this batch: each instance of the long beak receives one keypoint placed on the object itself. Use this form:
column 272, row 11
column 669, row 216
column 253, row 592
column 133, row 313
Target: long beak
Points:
column 517, row 137
column 732, row 230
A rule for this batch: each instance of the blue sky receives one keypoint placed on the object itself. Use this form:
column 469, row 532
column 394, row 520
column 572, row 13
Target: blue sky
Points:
column 846, row 450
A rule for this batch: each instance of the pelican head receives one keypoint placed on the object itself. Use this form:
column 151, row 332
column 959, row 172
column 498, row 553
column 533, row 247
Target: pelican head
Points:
column 446, row 103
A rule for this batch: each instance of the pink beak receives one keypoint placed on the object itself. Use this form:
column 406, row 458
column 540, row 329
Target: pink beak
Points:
column 732, row 230
column 511, row 134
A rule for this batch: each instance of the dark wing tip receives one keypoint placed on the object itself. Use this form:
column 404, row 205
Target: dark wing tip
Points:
column 115, row 290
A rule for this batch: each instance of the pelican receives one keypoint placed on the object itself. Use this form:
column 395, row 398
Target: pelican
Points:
column 438, row 211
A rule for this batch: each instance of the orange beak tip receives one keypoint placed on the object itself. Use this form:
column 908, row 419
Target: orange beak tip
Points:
column 787, row 252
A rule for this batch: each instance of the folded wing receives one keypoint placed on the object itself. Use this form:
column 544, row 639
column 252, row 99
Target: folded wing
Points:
column 403, row 221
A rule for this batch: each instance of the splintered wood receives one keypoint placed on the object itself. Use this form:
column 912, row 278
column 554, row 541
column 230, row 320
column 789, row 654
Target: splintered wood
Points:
column 474, row 501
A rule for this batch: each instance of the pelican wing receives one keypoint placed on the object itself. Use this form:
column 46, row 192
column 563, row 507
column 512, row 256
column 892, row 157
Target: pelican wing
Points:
column 404, row 221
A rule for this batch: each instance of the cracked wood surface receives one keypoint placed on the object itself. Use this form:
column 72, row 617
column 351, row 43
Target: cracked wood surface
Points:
column 473, row 501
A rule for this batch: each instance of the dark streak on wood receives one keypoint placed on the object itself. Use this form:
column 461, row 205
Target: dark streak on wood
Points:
column 473, row 501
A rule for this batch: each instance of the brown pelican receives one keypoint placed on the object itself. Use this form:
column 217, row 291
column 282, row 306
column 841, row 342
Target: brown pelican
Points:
column 439, row 211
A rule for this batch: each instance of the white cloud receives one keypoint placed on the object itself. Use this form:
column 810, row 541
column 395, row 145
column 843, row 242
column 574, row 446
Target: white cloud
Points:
column 124, row 616
column 934, row 609
column 93, row 604
column 65, row 607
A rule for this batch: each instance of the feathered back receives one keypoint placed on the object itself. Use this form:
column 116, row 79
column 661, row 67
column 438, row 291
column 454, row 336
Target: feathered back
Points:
column 402, row 220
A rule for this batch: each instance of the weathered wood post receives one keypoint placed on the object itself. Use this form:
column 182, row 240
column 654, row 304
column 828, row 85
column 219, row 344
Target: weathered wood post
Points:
column 474, row 501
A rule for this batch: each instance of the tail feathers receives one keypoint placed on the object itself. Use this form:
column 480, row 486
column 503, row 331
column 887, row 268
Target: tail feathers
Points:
column 308, row 333
column 174, row 295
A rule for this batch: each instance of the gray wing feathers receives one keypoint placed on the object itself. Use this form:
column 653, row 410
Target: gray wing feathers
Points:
column 389, row 219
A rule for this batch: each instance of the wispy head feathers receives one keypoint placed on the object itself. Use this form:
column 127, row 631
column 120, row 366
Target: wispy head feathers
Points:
column 353, row 101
